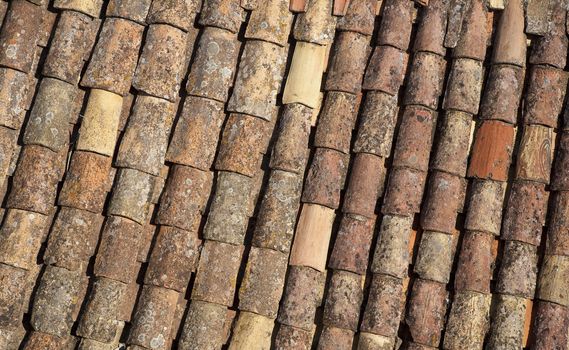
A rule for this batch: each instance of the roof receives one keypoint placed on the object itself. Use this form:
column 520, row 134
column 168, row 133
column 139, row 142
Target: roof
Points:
column 284, row 174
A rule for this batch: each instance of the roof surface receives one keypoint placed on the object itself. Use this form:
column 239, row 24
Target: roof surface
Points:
column 284, row 174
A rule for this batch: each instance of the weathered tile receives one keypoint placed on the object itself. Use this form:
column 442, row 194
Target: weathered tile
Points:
column 349, row 57
column 203, row 326
column 184, row 197
column 352, row 244
column 367, row 178
column 435, row 256
column 545, row 95
column 144, row 142
column 343, row 300
column 194, row 140
column 8, row 143
column 553, row 282
column 453, row 143
column 160, row 67
column 214, row 65
column 86, row 182
column 445, row 198
column 326, row 178
column 502, row 93
column 557, row 241
column 152, row 320
column 252, row 331
column 432, row 27
column 386, row 70
column 13, row 281
column 289, row 336
column 518, row 270
column 551, row 48
column 474, row 35
column 228, row 216
column 333, row 338
column 290, row 150
column 336, row 122
column 427, row 312
column 316, row 24
column 270, row 21
column 73, row 238
column 377, row 124
column 395, row 29
column 475, row 263
column 485, row 206
column 468, row 320
column 19, row 35
column 391, row 255
column 404, row 192
column 464, row 85
column 256, row 87
column 359, row 17
column 278, row 211
column 34, row 184
column 88, row 7
column 177, row 13
column 43, row 341
column 174, row 256
column 303, row 294
column 134, row 10
column 370, row 341
column 383, row 310
column 263, row 282
column 114, row 57
column 224, row 14
column 20, row 237
column 425, row 81
column 131, row 194
column 456, row 14
column 119, row 237
column 508, row 318
column 49, row 120
column 538, row 14
column 15, row 93
column 11, row 338
column 550, row 326
column 415, row 138
column 55, row 299
column 217, row 273
column 99, row 319
column 71, row 45
column 243, row 143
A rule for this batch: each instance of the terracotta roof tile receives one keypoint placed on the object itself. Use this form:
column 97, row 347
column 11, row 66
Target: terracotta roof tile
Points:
column 177, row 13
column 49, row 118
column 55, row 299
column 224, row 14
column 129, row 9
column 395, row 29
column 35, row 180
column 114, row 57
column 326, row 178
column 316, row 25
column 19, row 36
column 278, row 211
column 347, row 63
column 496, row 104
